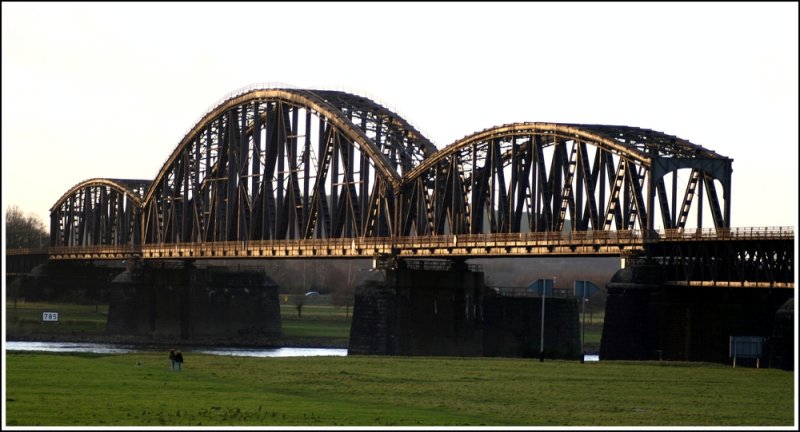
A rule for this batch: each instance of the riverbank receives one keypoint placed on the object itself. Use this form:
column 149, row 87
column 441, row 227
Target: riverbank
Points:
column 281, row 342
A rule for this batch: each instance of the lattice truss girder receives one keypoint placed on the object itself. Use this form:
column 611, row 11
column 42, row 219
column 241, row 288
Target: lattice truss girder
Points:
column 98, row 212
column 274, row 169
column 293, row 163
column 538, row 179
column 730, row 260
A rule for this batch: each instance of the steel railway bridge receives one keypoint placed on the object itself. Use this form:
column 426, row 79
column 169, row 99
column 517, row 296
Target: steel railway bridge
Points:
column 297, row 173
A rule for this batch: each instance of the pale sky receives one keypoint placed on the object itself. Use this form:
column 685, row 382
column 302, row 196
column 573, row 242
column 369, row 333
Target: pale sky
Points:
column 108, row 90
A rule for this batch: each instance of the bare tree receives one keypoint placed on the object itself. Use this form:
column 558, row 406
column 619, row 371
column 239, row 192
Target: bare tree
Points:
column 24, row 231
column 344, row 288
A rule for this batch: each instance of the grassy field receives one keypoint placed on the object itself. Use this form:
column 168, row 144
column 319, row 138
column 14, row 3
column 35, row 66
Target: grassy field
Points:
column 94, row 390
column 317, row 319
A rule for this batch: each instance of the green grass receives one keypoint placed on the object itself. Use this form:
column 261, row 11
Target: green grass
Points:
column 92, row 390
column 317, row 321
column 593, row 333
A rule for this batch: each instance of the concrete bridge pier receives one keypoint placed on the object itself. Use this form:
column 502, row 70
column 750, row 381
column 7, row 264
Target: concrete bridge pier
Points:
column 647, row 320
column 177, row 301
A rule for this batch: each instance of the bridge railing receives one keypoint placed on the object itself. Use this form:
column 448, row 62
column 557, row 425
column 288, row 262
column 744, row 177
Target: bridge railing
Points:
column 285, row 248
column 367, row 245
column 525, row 238
column 118, row 250
column 28, row 251
column 735, row 233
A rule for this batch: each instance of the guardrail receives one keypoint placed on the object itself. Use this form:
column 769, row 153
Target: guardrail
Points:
column 372, row 245
column 735, row 233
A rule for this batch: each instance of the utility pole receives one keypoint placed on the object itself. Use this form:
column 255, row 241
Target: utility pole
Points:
column 583, row 322
column 541, row 336
column 541, row 327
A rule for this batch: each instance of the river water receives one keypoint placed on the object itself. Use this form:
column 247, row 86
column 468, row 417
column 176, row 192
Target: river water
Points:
column 104, row 348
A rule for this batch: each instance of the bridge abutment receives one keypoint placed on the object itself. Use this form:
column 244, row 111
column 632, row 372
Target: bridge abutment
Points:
column 781, row 354
column 648, row 320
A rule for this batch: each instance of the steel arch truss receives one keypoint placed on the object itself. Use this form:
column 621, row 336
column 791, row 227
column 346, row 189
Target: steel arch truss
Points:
column 294, row 164
column 278, row 164
column 98, row 212
column 399, row 141
column 532, row 177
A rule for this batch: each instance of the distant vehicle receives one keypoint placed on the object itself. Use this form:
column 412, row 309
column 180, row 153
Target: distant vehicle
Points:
column 312, row 294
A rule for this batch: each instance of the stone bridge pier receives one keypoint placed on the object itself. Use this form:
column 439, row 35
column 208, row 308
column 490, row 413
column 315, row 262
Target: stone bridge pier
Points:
column 180, row 301
column 167, row 301
column 442, row 308
column 646, row 319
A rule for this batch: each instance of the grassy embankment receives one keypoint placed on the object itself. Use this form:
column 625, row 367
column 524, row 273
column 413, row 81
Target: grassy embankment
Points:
column 94, row 390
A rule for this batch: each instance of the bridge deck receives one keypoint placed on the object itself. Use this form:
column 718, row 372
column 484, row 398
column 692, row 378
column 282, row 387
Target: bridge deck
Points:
column 474, row 245
column 582, row 243
column 540, row 244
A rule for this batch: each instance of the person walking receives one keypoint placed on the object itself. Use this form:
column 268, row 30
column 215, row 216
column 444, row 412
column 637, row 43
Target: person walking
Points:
column 178, row 360
column 172, row 359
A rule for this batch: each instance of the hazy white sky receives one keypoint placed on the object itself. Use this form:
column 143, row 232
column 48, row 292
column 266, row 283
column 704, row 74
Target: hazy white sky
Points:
column 108, row 90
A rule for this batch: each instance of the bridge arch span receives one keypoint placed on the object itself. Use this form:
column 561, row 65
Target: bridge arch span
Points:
column 406, row 146
column 278, row 163
column 530, row 177
column 98, row 211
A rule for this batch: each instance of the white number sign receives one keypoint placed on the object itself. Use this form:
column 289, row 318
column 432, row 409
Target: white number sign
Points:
column 49, row 316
